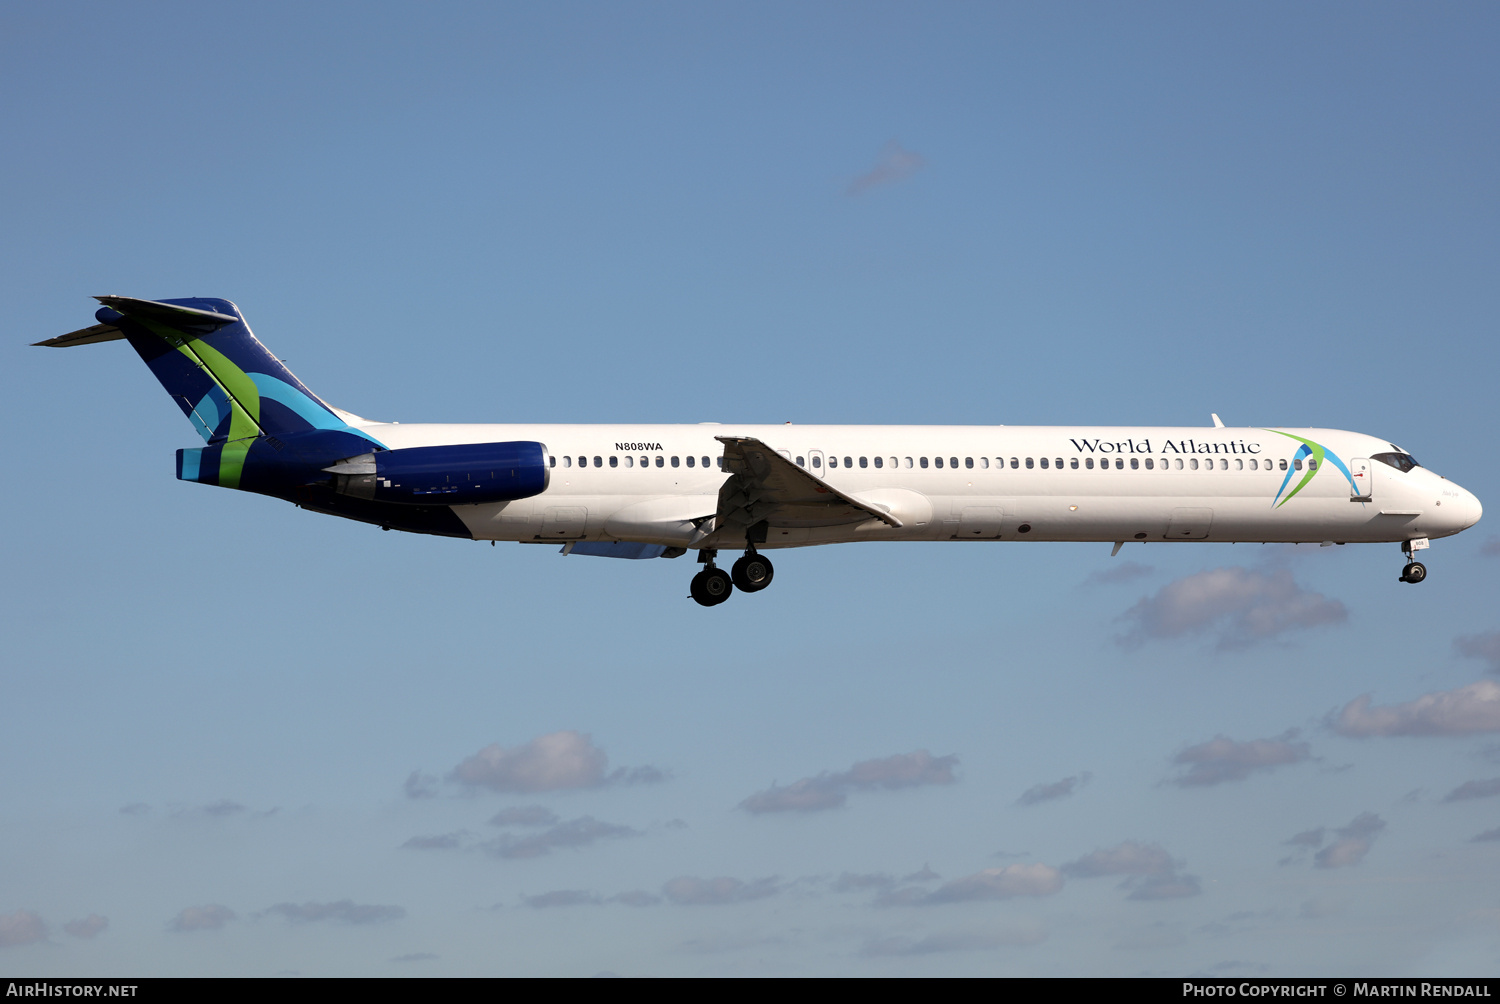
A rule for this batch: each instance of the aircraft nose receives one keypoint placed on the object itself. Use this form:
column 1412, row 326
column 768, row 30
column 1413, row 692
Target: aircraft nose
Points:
column 1462, row 512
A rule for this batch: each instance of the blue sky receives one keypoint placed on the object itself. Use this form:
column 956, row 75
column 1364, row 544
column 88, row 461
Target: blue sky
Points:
column 219, row 708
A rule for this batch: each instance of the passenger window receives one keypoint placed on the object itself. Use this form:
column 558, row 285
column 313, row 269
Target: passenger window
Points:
column 1297, row 464
column 908, row 463
column 1239, row 465
column 1135, row 464
column 1119, row 463
column 598, row 461
column 1282, row 464
column 1029, row 464
column 865, row 462
column 923, row 462
column 551, row 461
column 674, row 461
column 1177, row 463
column 614, row 461
column 1088, row 462
column 1312, row 465
column 800, row 463
column 1073, row 463
column 567, row 461
column 937, row 462
column 1254, row 465
column 645, row 461
column 968, row 463
column 629, row 461
column 1058, row 462
column 1016, row 462
column 1193, row 463
column 833, row 462
column 1150, row 464
column 953, row 463
column 849, row 461
column 660, row 460
column 817, row 460
column 879, row 461
column 690, row 461
column 984, row 462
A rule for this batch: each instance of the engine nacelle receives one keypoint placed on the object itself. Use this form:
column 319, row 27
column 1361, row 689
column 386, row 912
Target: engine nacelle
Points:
column 445, row 475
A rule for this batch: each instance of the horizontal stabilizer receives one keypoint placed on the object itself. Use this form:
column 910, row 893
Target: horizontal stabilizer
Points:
column 84, row 336
column 189, row 320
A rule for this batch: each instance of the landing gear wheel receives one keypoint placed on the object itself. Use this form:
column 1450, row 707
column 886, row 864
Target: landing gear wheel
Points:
column 711, row 587
column 752, row 573
column 1414, row 572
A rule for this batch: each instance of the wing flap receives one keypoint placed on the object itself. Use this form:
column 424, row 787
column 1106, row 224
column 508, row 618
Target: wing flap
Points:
column 768, row 487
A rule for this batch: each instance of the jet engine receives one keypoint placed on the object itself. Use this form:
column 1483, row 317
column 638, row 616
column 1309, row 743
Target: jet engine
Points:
column 444, row 475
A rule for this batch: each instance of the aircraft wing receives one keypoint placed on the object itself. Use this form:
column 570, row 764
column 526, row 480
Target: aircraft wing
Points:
column 767, row 486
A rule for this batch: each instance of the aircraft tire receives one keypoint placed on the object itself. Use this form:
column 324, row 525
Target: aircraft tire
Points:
column 1414, row 572
column 752, row 573
column 711, row 587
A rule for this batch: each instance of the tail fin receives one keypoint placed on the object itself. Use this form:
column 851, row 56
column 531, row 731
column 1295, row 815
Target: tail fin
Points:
column 225, row 381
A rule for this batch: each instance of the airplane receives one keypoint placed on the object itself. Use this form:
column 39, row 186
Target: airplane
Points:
column 659, row 491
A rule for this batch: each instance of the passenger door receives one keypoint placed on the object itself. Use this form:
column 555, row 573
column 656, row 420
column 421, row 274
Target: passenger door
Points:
column 1363, row 476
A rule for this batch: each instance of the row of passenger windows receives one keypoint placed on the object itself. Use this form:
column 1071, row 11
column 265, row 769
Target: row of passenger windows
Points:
column 1015, row 463
column 661, row 461
column 1046, row 463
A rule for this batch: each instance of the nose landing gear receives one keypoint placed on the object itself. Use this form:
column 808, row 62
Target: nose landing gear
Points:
column 1414, row 571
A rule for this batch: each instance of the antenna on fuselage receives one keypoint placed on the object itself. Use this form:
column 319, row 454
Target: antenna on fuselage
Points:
column 1218, row 422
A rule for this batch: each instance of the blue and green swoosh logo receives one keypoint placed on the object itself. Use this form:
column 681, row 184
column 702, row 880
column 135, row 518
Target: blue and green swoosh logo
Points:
column 1318, row 454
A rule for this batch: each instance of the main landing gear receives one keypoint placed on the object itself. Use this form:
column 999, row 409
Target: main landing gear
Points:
column 1414, row 571
column 712, row 585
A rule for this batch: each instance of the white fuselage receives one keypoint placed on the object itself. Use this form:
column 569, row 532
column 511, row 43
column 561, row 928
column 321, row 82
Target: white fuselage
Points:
column 649, row 483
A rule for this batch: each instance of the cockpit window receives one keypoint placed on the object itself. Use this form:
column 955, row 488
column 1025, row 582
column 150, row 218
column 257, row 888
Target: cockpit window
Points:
column 1403, row 462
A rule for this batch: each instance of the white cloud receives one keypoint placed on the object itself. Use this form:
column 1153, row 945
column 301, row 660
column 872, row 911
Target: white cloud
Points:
column 687, row 890
column 524, row 815
column 419, row 785
column 1354, row 843
column 1481, row 646
column 1474, row 789
column 1048, row 792
column 1222, row 759
column 343, row 910
column 829, row 789
column 895, row 163
column 1465, row 710
column 573, row 833
column 551, row 762
column 87, row 927
column 994, row 883
column 1128, row 858
column 1151, row 872
column 1238, row 605
column 209, row 917
column 21, row 928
